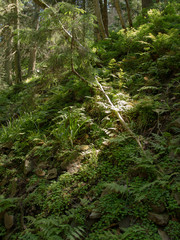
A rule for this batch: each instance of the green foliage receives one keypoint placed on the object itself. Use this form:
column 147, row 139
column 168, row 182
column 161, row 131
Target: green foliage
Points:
column 51, row 228
column 139, row 232
column 71, row 122
column 7, row 203
column 173, row 230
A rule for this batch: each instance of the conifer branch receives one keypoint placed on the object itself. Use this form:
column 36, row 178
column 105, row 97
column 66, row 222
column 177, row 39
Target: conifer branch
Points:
column 44, row 5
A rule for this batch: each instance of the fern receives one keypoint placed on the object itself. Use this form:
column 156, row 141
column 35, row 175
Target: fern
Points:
column 54, row 228
column 117, row 188
column 6, row 203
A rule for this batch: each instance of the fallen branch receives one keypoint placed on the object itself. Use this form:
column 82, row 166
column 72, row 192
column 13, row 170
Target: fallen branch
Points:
column 124, row 124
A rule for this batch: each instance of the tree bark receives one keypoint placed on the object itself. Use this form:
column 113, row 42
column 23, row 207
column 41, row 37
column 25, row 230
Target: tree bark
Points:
column 119, row 11
column 105, row 16
column 8, row 57
column 129, row 13
column 33, row 51
column 17, row 60
column 99, row 19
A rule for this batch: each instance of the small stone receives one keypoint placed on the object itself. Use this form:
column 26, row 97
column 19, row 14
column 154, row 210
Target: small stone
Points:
column 74, row 167
column 52, row 174
column 159, row 219
column 40, row 173
column 159, row 208
column 42, row 165
column 177, row 197
column 8, row 221
column 28, row 166
column 84, row 147
column 163, row 235
column 95, row 214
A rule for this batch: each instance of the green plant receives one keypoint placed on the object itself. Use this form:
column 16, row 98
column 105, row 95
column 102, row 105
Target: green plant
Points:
column 173, row 230
column 51, row 228
column 7, row 203
column 72, row 122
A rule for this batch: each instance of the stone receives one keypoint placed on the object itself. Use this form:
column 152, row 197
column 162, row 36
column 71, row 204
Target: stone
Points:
column 159, row 219
column 28, row 166
column 40, row 172
column 177, row 197
column 158, row 208
column 126, row 222
column 42, row 165
column 163, row 235
column 8, row 221
column 52, row 173
column 84, row 147
column 73, row 167
column 95, row 214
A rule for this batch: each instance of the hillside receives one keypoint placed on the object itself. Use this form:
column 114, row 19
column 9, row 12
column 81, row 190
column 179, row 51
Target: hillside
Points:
column 69, row 168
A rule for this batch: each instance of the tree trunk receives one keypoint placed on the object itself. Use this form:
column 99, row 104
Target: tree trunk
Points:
column 8, row 59
column 147, row 3
column 105, row 16
column 119, row 11
column 33, row 51
column 17, row 60
column 129, row 13
column 99, row 19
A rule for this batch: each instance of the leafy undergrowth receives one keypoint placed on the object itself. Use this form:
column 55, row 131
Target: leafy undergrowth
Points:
column 68, row 169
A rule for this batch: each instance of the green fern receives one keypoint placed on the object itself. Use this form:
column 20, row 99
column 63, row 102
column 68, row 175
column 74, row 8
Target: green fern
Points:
column 6, row 203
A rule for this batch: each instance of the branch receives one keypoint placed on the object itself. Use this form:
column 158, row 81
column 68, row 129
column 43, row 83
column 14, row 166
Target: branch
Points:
column 124, row 124
column 44, row 5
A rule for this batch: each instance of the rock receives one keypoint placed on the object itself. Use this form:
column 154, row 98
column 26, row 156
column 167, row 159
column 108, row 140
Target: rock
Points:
column 52, row 173
column 84, row 147
column 42, row 165
column 40, row 173
column 163, row 235
column 159, row 219
column 95, row 214
column 159, row 208
column 177, row 197
column 8, row 221
column 74, row 167
column 28, row 166
column 125, row 223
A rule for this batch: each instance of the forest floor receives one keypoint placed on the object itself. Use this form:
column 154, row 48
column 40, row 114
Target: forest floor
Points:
column 69, row 169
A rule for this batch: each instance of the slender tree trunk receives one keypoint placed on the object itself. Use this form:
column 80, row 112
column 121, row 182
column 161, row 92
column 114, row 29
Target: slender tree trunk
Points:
column 105, row 16
column 147, row 3
column 129, row 13
column 17, row 60
column 8, row 57
column 84, row 23
column 33, row 51
column 119, row 11
column 99, row 19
